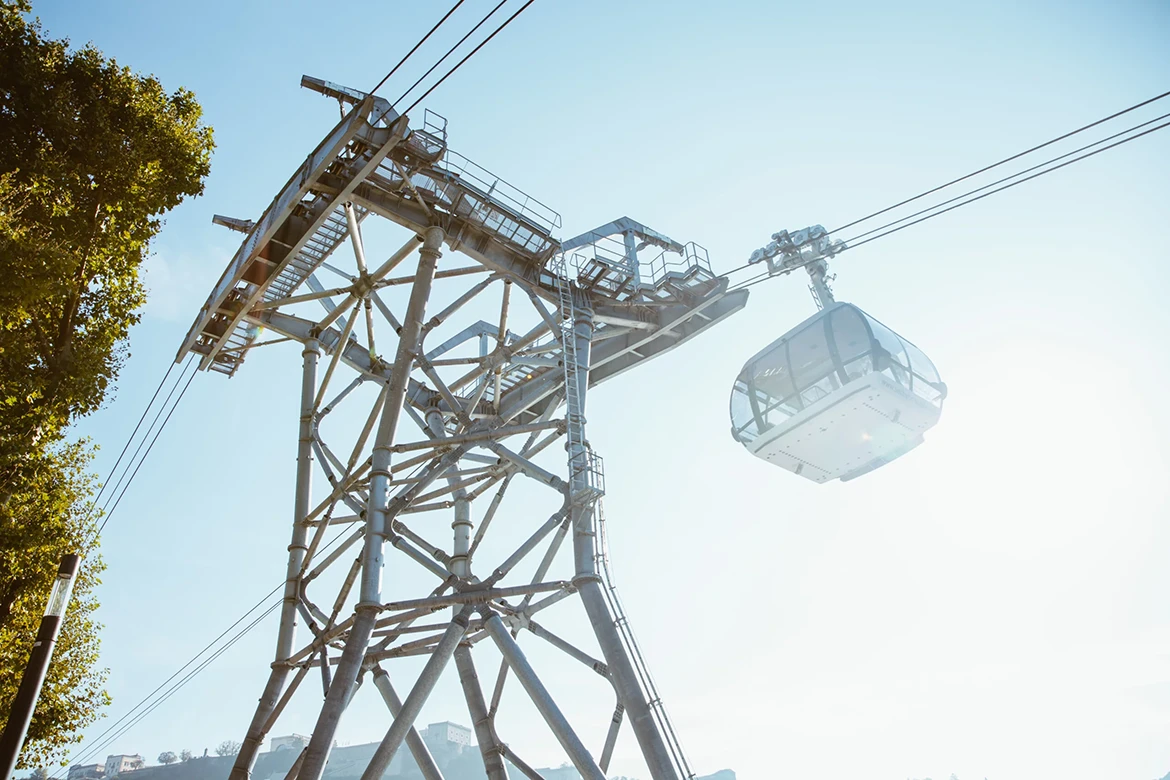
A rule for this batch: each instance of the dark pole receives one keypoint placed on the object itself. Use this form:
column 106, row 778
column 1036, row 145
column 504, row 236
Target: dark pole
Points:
column 38, row 664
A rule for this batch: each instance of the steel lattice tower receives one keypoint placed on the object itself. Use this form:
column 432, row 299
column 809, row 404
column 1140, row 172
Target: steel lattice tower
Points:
column 489, row 399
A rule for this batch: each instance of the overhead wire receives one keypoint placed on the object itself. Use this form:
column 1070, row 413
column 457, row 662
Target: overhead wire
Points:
column 1007, row 178
column 146, row 700
column 130, row 440
column 413, row 49
column 966, row 196
column 145, row 436
column 471, row 54
column 1003, row 161
column 192, row 675
column 1014, row 183
column 99, row 744
column 969, row 200
column 157, row 433
column 450, row 51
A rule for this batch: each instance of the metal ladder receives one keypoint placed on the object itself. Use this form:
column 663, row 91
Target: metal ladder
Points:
column 583, row 462
column 626, row 632
column 582, row 459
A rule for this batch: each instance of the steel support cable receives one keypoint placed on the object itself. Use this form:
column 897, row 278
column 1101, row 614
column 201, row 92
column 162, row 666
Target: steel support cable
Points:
column 113, row 726
column 764, row 276
column 97, row 750
column 129, row 441
column 145, row 455
column 450, row 51
column 423, row 40
column 469, row 55
column 1006, row 178
column 983, row 170
column 211, row 644
column 146, row 699
column 1014, row 183
column 1003, row 161
column 145, row 436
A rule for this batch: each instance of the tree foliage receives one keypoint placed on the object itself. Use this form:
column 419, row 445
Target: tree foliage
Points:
column 167, row 758
column 229, row 747
column 95, row 155
column 185, row 755
column 92, row 155
column 51, row 514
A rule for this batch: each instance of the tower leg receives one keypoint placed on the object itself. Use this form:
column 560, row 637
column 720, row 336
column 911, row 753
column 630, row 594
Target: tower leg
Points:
column 418, row 748
column 377, row 521
column 621, row 668
column 480, row 720
column 404, row 720
column 540, row 697
column 286, row 635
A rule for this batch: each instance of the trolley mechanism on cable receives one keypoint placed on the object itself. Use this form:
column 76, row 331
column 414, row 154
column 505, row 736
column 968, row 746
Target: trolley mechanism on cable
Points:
column 840, row 394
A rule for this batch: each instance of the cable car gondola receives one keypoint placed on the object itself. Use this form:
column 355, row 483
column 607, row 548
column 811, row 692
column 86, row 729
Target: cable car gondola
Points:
column 837, row 396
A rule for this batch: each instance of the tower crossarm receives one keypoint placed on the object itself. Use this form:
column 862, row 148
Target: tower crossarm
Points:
column 409, row 177
column 621, row 227
column 295, row 233
column 348, row 96
column 671, row 327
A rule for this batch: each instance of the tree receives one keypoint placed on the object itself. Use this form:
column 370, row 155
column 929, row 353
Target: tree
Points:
column 92, row 156
column 185, row 755
column 167, row 758
column 51, row 514
column 96, row 154
column 229, row 747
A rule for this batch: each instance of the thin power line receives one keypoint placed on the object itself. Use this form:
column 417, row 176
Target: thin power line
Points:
column 146, row 699
column 179, row 685
column 469, row 56
column 449, row 52
column 762, row 277
column 423, row 40
column 1007, row 178
column 1014, row 183
column 130, row 440
column 157, row 433
column 90, row 752
column 146, row 435
column 1002, row 162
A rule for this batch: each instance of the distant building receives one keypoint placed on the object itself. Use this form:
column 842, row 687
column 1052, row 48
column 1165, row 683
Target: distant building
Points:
column 290, row 742
column 447, row 737
column 87, row 772
column 560, row 773
column 449, row 744
column 116, row 765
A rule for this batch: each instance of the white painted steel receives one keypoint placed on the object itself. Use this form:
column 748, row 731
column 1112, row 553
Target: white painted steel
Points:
column 481, row 406
column 865, row 424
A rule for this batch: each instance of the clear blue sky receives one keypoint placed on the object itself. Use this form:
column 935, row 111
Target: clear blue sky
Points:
column 991, row 605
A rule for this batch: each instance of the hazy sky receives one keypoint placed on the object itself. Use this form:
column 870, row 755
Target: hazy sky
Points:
column 992, row 605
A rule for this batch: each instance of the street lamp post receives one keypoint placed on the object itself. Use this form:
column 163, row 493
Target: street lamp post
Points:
column 38, row 664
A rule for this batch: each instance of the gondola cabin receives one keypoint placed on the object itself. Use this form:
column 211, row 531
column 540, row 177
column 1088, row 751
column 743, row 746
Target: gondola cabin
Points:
column 836, row 397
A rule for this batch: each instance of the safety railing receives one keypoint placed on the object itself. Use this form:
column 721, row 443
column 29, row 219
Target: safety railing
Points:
column 429, row 141
column 694, row 261
column 501, row 193
column 630, row 642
